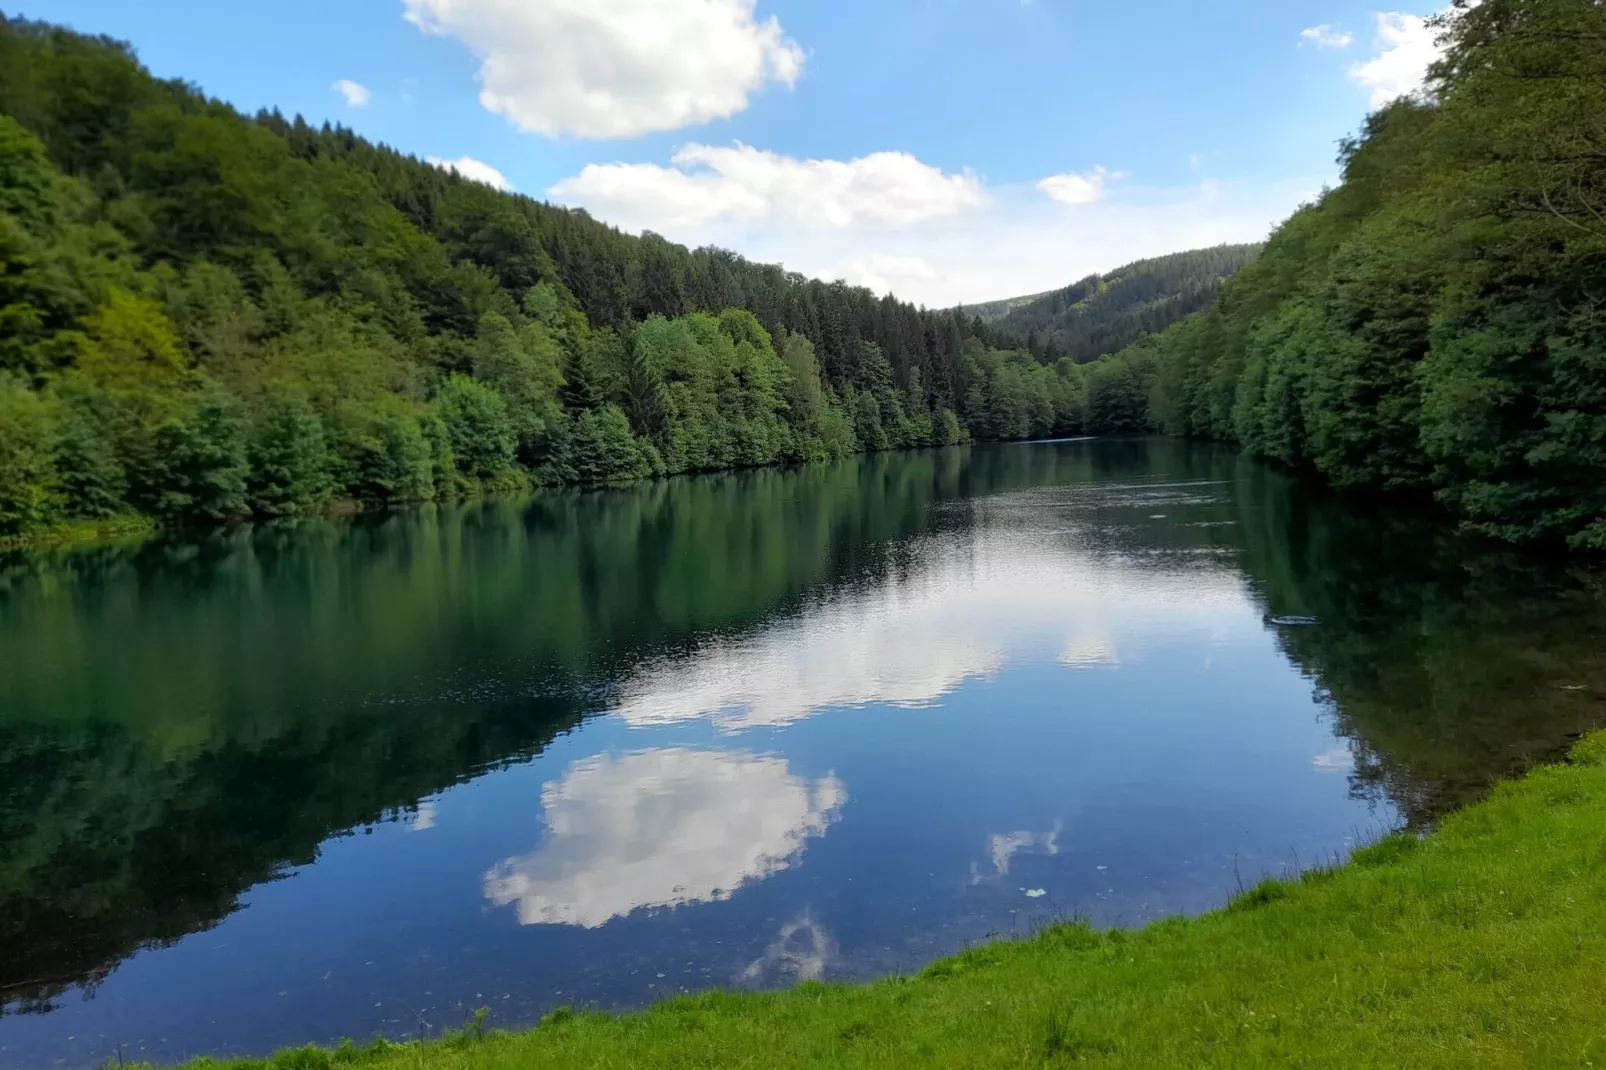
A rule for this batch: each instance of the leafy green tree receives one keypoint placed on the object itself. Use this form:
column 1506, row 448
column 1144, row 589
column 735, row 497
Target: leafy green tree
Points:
column 866, row 413
column 600, row 447
column 90, row 449
column 30, row 493
column 131, row 346
column 1116, row 400
column 195, row 465
column 804, row 395
column 524, row 365
column 384, row 455
column 290, row 456
column 478, row 427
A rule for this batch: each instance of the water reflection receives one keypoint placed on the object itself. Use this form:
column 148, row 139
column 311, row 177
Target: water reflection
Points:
column 906, row 644
column 800, row 952
column 661, row 828
column 1004, row 846
column 958, row 610
column 1087, row 650
column 235, row 773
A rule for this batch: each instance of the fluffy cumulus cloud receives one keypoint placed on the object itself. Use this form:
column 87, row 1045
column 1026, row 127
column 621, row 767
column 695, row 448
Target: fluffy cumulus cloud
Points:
column 1084, row 188
column 1325, row 36
column 615, row 68
column 661, row 828
column 356, row 94
column 1406, row 47
column 896, row 224
column 474, row 170
column 706, row 183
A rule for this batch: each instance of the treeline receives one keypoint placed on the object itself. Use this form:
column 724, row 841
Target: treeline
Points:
column 1102, row 314
column 1437, row 323
column 205, row 316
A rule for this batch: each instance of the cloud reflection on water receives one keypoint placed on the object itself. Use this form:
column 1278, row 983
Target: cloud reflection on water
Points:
column 661, row 828
column 800, row 952
column 1006, row 598
column 1002, row 847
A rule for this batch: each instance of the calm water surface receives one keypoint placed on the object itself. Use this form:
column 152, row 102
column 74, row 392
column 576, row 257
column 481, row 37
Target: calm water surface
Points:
column 356, row 777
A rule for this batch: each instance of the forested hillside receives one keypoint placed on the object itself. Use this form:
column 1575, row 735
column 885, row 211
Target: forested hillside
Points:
column 989, row 311
column 1105, row 313
column 1437, row 323
column 206, row 316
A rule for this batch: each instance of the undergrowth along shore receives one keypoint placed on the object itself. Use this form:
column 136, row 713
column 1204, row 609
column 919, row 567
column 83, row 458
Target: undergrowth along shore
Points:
column 1483, row 944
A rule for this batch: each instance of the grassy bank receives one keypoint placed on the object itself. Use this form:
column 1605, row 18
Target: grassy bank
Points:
column 1483, row 944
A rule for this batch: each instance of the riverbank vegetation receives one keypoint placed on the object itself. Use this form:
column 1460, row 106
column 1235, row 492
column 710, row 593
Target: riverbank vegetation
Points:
column 1481, row 944
column 1436, row 324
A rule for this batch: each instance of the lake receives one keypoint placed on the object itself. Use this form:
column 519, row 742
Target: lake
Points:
column 355, row 776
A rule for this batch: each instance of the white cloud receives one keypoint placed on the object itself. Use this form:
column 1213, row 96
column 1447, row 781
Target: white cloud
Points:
column 474, row 170
column 356, row 94
column 1325, row 36
column 896, row 224
column 886, row 274
column 1023, row 242
column 1406, row 48
column 1085, row 188
column 707, row 183
column 661, row 828
column 614, row 68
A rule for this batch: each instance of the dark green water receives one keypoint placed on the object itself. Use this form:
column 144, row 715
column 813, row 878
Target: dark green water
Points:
column 347, row 777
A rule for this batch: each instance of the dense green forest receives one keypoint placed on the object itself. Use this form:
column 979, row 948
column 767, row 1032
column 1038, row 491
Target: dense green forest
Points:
column 1105, row 313
column 206, row 316
column 1436, row 324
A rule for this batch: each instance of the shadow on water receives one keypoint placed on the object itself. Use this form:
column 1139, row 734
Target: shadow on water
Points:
column 181, row 721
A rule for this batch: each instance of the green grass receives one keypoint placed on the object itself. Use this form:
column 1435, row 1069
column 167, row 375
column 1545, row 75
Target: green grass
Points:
column 1482, row 945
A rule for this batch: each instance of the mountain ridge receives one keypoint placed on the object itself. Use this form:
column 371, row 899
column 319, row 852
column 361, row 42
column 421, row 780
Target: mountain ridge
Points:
column 1105, row 312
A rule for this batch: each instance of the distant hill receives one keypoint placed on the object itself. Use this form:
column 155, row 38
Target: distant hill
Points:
column 1105, row 313
column 995, row 310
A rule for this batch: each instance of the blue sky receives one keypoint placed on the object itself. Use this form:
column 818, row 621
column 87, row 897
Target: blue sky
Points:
column 949, row 150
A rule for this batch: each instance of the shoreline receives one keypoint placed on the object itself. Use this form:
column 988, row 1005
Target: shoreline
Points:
column 1480, row 943
column 80, row 533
